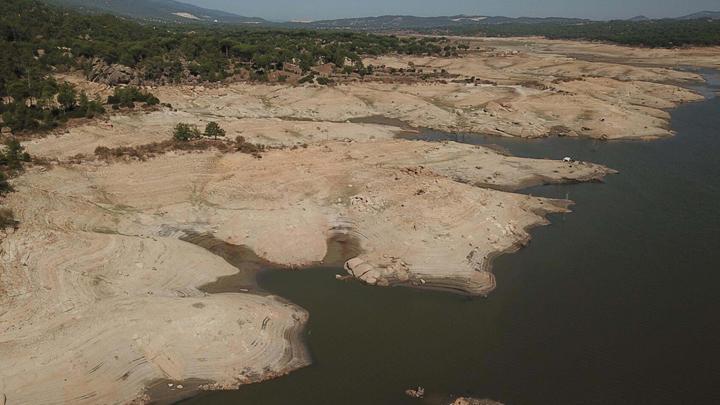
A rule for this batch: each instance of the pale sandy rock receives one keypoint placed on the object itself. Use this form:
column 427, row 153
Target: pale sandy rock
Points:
column 99, row 297
column 97, row 290
column 531, row 93
column 663, row 58
column 305, row 192
column 599, row 108
column 107, row 237
column 474, row 401
column 92, row 316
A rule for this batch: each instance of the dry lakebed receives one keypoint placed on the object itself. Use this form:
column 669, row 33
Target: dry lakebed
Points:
column 100, row 295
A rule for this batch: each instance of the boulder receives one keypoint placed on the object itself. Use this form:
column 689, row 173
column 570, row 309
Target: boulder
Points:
column 415, row 393
column 112, row 75
column 474, row 401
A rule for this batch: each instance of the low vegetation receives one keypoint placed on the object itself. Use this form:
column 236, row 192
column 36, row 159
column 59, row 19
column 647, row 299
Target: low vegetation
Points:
column 185, row 137
column 12, row 158
column 37, row 40
column 14, row 155
column 184, row 132
column 7, row 218
column 127, row 97
column 4, row 185
column 213, row 130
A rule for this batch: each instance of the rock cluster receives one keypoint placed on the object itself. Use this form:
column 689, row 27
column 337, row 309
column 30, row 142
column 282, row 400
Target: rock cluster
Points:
column 112, row 74
column 474, row 401
column 392, row 270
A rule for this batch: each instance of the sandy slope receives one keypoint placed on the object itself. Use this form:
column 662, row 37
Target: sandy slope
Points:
column 91, row 315
column 280, row 115
column 530, row 88
column 595, row 107
column 705, row 57
column 532, row 95
column 99, row 297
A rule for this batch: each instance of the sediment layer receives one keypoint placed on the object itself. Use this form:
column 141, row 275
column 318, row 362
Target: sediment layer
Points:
column 99, row 296
column 103, row 297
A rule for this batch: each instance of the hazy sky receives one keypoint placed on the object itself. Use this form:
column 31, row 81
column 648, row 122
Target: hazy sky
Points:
column 324, row 9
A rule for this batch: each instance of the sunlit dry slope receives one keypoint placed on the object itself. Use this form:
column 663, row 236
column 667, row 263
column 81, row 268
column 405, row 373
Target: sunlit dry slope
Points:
column 96, row 266
column 99, row 296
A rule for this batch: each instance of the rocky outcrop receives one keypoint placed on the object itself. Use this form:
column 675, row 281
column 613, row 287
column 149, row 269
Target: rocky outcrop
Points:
column 94, row 241
column 91, row 317
column 474, row 401
column 113, row 74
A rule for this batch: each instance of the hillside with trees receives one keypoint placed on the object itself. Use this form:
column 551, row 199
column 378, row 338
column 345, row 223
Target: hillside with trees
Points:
column 37, row 40
column 666, row 33
column 158, row 10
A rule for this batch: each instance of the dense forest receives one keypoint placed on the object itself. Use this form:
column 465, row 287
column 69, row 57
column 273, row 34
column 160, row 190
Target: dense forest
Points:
column 37, row 39
column 652, row 33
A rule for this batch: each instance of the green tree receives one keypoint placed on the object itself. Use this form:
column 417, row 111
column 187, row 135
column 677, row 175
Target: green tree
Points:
column 184, row 132
column 67, row 97
column 212, row 129
column 127, row 96
column 4, row 185
column 14, row 155
column 7, row 218
column 324, row 81
column 88, row 108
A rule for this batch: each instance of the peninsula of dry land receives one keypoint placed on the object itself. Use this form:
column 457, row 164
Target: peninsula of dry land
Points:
column 99, row 296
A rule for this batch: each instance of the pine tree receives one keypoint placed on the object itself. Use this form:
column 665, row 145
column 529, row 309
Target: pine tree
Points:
column 212, row 129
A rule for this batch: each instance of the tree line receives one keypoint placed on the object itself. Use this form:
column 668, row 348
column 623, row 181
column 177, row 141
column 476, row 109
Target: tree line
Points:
column 653, row 33
column 37, row 40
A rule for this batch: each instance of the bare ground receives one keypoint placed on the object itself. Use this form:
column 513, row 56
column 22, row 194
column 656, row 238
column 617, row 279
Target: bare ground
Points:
column 99, row 297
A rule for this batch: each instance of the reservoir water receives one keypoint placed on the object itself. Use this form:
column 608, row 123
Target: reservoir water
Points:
column 615, row 303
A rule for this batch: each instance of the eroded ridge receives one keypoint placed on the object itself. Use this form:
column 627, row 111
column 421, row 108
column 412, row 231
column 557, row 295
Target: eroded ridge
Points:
column 100, row 296
column 507, row 87
column 91, row 315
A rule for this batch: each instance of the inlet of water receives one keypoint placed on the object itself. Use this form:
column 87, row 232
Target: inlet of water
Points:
column 614, row 303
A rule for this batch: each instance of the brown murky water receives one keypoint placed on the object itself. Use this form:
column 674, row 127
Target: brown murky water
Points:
column 616, row 303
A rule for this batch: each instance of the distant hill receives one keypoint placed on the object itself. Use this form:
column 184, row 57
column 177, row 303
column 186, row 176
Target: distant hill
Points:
column 400, row 22
column 158, row 10
column 702, row 15
column 175, row 11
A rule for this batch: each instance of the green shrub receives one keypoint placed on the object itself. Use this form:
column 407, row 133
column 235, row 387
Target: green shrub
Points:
column 184, row 132
column 4, row 185
column 324, row 81
column 152, row 100
column 67, row 97
column 213, row 130
column 129, row 95
column 307, row 79
column 7, row 218
column 88, row 108
column 14, row 155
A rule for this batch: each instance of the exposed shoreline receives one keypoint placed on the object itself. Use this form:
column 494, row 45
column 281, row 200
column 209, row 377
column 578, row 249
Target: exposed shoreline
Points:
column 100, row 205
column 99, row 238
